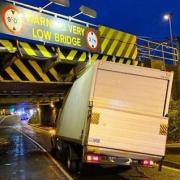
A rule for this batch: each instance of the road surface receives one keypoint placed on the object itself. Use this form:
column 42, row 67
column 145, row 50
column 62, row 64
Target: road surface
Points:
column 25, row 160
column 21, row 158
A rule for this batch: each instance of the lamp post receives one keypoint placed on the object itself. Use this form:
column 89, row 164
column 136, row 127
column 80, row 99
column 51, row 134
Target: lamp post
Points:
column 64, row 3
column 86, row 11
column 168, row 17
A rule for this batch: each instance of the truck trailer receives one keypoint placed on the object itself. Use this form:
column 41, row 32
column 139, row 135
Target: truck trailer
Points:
column 114, row 114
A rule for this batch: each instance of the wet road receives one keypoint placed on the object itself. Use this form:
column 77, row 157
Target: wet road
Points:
column 20, row 158
column 25, row 160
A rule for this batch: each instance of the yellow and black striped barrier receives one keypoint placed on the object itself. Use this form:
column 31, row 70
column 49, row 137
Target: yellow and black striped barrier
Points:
column 29, row 69
column 118, row 43
column 113, row 43
column 22, row 70
column 42, row 51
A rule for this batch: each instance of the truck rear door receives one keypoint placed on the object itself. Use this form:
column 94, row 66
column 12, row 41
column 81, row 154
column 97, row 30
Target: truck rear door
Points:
column 129, row 108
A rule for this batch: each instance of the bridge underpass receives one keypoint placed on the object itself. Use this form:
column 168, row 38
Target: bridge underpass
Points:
column 32, row 92
column 39, row 95
column 40, row 74
column 23, row 79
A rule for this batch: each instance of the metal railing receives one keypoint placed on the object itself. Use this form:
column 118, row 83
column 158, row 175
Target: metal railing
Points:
column 149, row 50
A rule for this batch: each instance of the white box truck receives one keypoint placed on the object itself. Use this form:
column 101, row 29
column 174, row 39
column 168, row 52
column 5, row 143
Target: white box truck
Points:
column 115, row 114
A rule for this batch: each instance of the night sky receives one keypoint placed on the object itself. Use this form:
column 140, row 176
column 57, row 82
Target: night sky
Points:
column 139, row 17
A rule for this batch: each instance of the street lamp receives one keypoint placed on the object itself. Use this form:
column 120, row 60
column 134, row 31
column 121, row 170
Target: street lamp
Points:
column 86, row 11
column 64, row 3
column 168, row 17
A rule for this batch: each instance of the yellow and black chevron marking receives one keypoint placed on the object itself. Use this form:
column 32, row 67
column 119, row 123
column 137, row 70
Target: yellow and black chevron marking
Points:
column 163, row 129
column 95, row 118
column 41, row 51
column 28, row 70
column 124, row 50
column 36, row 50
column 8, row 45
column 73, row 55
column 120, row 60
column 118, row 43
column 157, row 64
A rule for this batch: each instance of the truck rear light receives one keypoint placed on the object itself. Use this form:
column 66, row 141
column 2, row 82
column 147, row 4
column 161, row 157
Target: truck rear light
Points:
column 89, row 158
column 147, row 162
column 93, row 158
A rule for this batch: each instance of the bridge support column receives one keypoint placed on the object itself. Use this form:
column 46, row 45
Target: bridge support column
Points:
column 48, row 114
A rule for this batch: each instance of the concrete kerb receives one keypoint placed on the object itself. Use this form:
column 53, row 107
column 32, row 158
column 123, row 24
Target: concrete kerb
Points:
column 171, row 164
column 46, row 129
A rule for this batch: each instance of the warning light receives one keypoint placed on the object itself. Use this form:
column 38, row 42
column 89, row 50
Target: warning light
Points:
column 147, row 163
column 93, row 158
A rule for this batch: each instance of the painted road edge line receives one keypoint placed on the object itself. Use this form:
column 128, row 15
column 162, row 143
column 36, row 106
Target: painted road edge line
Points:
column 54, row 161
column 3, row 119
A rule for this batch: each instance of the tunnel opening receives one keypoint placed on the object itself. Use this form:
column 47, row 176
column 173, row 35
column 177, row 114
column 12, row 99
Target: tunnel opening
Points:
column 39, row 81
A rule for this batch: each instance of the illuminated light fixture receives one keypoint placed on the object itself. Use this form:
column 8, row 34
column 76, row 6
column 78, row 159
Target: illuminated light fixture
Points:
column 64, row 3
column 93, row 158
column 38, row 108
column 52, row 132
column 151, row 163
column 52, row 105
column 147, row 162
column 86, row 11
column 89, row 158
column 166, row 17
column 31, row 112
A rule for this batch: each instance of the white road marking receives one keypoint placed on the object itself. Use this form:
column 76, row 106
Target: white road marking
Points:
column 6, row 117
column 52, row 159
column 3, row 119
column 37, row 144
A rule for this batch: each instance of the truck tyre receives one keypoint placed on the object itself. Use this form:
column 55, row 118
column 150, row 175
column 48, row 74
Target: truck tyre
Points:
column 72, row 165
column 53, row 147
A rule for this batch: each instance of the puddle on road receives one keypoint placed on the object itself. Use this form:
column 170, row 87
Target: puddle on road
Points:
column 17, row 147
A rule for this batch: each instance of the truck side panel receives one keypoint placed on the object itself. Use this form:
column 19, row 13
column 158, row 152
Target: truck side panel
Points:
column 75, row 109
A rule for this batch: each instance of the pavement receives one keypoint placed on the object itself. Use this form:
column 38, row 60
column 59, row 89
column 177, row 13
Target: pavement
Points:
column 42, row 127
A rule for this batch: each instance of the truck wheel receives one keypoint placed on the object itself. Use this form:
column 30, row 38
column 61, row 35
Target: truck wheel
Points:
column 72, row 165
column 53, row 148
column 53, row 151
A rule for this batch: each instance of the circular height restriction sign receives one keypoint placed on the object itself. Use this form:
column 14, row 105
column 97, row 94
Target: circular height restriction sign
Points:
column 12, row 19
column 92, row 40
